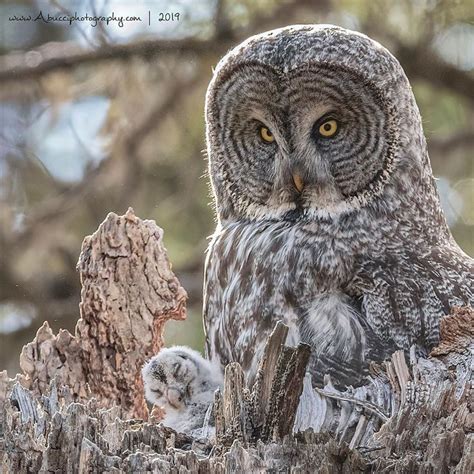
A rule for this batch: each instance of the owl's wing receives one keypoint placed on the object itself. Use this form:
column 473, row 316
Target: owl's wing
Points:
column 404, row 297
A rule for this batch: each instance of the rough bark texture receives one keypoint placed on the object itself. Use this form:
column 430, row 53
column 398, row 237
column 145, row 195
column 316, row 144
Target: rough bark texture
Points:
column 128, row 292
column 256, row 415
column 79, row 407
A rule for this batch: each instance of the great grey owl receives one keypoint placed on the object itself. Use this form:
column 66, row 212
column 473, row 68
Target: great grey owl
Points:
column 327, row 209
column 182, row 382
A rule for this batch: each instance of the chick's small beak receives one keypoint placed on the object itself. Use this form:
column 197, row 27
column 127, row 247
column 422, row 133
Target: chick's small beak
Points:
column 174, row 397
column 298, row 181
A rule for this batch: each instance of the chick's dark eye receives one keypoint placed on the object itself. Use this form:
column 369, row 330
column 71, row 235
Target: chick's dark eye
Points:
column 160, row 374
column 157, row 391
column 177, row 366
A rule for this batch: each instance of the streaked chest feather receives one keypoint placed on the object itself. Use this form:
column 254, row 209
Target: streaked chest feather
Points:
column 258, row 274
column 281, row 254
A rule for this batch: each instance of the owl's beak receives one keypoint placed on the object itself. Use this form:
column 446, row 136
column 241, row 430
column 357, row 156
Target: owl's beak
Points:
column 298, row 182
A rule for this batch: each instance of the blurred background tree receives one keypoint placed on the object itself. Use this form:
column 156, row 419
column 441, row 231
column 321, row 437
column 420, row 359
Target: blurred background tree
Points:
column 99, row 118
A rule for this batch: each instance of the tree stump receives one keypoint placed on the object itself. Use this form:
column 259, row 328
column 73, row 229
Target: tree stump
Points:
column 128, row 293
column 78, row 406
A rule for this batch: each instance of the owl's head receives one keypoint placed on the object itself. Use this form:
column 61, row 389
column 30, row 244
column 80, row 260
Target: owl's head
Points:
column 172, row 377
column 310, row 120
column 179, row 376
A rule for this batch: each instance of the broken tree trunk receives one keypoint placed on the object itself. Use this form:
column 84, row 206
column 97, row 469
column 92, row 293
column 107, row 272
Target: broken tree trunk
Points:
column 78, row 406
column 128, row 293
column 256, row 415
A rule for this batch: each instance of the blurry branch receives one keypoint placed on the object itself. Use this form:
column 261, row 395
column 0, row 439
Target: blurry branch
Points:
column 221, row 20
column 60, row 205
column 68, row 12
column 149, row 123
column 56, row 208
column 456, row 141
column 159, row 112
column 418, row 58
column 419, row 62
column 59, row 56
column 33, row 291
column 54, row 56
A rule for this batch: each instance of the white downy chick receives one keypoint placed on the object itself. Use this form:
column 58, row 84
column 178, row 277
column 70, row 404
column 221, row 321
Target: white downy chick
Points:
column 182, row 382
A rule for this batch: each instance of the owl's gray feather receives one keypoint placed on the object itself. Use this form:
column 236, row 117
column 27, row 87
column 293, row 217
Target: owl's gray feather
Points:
column 358, row 263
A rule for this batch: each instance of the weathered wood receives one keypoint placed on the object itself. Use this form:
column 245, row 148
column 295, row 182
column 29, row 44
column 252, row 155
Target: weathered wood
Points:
column 234, row 405
column 433, row 429
column 85, row 438
column 266, row 373
column 251, row 415
column 291, row 388
column 430, row 432
column 128, row 293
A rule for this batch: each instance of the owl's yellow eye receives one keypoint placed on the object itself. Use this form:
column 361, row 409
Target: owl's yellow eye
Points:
column 266, row 135
column 328, row 128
